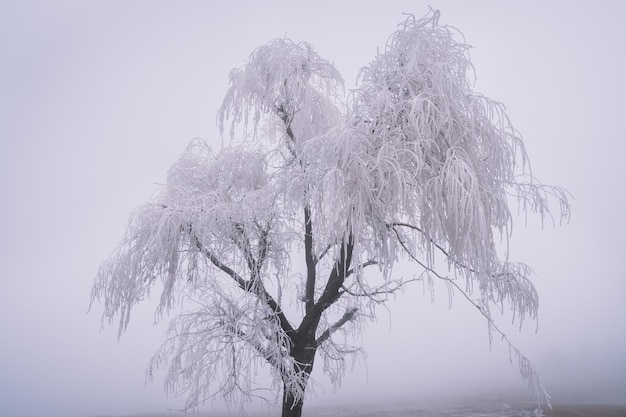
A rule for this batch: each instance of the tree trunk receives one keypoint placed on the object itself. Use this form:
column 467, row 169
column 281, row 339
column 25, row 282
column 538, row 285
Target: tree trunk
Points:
column 303, row 352
column 291, row 408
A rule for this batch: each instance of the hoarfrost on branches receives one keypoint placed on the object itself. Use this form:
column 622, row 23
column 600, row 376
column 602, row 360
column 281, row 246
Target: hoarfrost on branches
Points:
column 315, row 188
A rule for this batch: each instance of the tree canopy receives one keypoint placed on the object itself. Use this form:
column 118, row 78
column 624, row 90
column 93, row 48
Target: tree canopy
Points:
column 284, row 240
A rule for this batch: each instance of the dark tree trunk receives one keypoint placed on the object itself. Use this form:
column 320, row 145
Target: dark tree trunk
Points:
column 303, row 352
column 291, row 408
column 303, row 341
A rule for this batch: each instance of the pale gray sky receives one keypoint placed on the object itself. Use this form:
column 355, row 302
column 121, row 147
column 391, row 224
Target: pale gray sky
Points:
column 97, row 99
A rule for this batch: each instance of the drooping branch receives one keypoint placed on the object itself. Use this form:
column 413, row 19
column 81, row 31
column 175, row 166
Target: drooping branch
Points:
column 432, row 242
column 419, row 230
column 414, row 258
column 527, row 369
column 508, row 282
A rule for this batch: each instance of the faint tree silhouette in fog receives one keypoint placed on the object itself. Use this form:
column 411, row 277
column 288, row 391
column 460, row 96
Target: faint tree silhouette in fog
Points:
column 280, row 244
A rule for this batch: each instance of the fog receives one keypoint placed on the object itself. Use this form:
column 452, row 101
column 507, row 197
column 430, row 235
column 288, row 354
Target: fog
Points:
column 99, row 98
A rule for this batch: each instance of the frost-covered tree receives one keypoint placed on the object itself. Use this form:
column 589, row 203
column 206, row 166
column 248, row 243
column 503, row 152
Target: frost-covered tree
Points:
column 281, row 243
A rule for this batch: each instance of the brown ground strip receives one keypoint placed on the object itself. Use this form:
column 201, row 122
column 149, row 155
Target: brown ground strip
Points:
column 562, row 410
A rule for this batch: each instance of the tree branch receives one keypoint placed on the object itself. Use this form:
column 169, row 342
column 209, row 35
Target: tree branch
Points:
column 310, row 261
column 422, row 264
column 256, row 346
column 363, row 265
column 436, row 245
column 242, row 241
column 349, row 315
column 333, row 285
column 263, row 244
column 286, row 118
column 248, row 286
column 383, row 289
column 411, row 226
column 527, row 368
column 243, row 284
column 322, row 254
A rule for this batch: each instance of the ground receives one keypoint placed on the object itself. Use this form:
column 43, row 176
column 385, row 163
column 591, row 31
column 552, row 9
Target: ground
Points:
column 476, row 408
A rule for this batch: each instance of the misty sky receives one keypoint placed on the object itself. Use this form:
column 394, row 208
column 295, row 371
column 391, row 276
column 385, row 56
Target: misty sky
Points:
column 98, row 99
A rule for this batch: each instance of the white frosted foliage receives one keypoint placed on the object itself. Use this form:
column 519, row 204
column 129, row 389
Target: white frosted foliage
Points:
column 270, row 242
